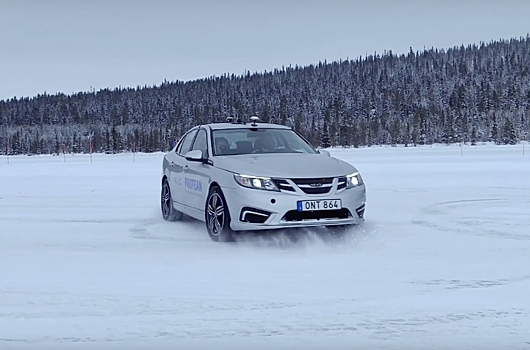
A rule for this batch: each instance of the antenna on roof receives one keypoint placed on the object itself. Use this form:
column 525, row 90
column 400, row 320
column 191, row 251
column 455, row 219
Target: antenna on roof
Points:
column 254, row 120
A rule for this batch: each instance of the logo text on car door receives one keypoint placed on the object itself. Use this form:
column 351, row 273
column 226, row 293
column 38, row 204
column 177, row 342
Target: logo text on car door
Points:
column 192, row 184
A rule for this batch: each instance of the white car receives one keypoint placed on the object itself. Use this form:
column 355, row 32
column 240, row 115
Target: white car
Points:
column 239, row 177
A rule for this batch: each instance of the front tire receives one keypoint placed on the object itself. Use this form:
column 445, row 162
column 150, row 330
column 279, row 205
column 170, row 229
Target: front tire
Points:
column 217, row 216
column 168, row 211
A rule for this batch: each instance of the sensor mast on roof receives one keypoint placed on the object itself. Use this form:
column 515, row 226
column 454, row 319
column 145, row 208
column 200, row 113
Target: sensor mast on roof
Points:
column 254, row 120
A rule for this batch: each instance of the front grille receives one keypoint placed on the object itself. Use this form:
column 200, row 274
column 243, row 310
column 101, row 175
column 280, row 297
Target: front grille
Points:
column 342, row 183
column 295, row 215
column 283, row 185
column 253, row 215
column 315, row 185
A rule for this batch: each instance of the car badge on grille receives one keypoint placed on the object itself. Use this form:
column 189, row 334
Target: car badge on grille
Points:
column 316, row 185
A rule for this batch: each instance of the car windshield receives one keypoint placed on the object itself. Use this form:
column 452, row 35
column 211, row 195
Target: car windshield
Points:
column 258, row 141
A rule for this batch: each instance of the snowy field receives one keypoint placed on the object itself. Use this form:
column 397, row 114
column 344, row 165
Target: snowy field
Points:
column 442, row 261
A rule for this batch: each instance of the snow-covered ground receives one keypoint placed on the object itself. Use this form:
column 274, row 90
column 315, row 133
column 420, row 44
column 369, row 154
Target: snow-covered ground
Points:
column 442, row 261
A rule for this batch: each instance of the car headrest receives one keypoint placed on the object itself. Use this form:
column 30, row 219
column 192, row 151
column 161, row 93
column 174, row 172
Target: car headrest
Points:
column 221, row 145
column 244, row 147
column 219, row 140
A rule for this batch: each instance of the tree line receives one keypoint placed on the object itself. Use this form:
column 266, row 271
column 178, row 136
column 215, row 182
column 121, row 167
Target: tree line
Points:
column 474, row 93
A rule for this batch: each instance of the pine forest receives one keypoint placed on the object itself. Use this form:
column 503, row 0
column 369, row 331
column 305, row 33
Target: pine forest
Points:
column 478, row 93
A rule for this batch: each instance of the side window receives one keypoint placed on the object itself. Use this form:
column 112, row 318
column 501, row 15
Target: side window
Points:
column 186, row 143
column 179, row 145
column 201, row 143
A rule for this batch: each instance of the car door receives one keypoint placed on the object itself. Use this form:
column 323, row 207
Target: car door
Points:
column 177, row 164
column 196, row 173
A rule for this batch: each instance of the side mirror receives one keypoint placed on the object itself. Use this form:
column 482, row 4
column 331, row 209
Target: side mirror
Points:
column 194, row 156
column 324, row 152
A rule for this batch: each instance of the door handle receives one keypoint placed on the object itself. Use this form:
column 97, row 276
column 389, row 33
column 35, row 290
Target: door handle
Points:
column 186, row 167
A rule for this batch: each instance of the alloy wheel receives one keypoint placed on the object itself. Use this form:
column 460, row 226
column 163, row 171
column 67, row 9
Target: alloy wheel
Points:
column 166, row 200
column 216, row 214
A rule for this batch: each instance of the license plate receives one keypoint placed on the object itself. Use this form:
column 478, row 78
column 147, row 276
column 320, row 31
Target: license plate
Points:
column 321, row 204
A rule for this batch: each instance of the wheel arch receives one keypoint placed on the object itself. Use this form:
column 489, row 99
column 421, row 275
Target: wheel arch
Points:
column 213, row 184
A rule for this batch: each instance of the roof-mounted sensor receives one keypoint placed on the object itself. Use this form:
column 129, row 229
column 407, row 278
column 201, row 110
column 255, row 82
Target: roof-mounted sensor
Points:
column 254, row 120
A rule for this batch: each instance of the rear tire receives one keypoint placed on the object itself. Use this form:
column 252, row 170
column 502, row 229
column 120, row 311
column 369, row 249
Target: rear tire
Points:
column 166, row 203
column 217, row 216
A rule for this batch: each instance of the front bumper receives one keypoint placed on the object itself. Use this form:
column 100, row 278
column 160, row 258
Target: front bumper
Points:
column 252, row 209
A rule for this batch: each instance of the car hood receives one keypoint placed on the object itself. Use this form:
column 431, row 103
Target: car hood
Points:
column 285, row 165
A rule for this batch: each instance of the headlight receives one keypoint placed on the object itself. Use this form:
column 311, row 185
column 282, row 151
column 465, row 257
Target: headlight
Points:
column 260, row 183
column 354, row 180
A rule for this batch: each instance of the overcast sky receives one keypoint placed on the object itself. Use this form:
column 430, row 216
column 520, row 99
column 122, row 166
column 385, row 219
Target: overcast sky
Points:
column 72, row 45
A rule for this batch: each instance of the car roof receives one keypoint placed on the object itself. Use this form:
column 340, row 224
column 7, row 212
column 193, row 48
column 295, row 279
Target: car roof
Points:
column 220, row 126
